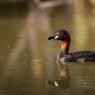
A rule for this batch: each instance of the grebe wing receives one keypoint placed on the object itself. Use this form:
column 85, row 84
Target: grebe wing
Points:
column 83, row 56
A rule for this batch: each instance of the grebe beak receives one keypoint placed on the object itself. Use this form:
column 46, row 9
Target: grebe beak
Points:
column 51, row 37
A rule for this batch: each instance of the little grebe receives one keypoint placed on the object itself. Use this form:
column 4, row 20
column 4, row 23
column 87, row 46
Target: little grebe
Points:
column 63, row 54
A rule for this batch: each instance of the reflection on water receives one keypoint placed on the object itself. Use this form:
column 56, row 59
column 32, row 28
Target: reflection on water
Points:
column 81, row 21
column 63, row 81
column 28, row 60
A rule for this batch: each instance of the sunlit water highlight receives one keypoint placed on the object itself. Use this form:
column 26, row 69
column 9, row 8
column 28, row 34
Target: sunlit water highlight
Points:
column 28, row 60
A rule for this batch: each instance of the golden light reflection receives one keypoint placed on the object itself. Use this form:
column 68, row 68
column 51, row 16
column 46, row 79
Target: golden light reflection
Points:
column 80, row 24
column 92, row 2
column 32, row 58
column 13, row 57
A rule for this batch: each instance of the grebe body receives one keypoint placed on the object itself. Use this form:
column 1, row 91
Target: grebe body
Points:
column 64, row 55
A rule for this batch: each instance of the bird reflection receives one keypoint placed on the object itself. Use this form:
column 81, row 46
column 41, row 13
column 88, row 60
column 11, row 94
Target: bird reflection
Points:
column 63, row 81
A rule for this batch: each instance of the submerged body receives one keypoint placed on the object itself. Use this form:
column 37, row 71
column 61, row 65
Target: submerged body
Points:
column 64, row 55
column 77, row 56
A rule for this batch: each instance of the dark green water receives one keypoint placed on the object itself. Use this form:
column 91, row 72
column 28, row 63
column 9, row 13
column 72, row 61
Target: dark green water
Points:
column 28, row 60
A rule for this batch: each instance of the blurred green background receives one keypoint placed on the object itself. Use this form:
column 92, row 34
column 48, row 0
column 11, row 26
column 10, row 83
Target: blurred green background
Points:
column 28, row 59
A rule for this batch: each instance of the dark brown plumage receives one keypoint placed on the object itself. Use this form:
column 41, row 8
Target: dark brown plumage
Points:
column 63, row 54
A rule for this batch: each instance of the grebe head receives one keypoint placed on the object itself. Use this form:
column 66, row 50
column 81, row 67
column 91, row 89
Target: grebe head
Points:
column 61, row 35
column 64, row 37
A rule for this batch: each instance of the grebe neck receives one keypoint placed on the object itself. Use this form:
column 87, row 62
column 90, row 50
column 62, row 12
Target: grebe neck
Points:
column 65, row 46
column 64, row 49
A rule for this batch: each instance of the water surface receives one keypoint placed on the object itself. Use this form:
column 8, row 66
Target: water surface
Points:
column 28, row 60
